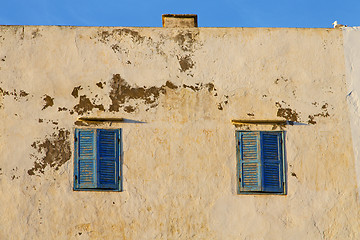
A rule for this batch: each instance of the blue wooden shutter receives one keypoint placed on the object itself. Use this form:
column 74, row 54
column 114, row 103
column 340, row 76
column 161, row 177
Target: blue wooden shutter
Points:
column 85, row 159
column 108, row 158
column 271, row 155
column 249, row 164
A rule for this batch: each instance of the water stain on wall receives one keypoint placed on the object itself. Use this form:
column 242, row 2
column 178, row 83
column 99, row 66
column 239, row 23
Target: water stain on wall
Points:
column 55, row 150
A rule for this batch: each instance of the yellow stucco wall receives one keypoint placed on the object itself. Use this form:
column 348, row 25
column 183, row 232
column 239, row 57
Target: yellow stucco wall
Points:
column 178, row 90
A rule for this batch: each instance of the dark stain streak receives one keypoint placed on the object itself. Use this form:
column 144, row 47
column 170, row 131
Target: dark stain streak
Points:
column 75, row 91
column 49, row 102
column 56, row 150
column 293, row 174
column 85, row 105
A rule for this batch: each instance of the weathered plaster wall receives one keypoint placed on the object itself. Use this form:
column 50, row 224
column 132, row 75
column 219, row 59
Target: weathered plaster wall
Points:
column 352, row 60
column 177, row 89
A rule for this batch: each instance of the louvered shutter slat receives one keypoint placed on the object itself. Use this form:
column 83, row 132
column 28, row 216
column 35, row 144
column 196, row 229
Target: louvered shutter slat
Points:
column 85, row 159
column 108, row 158
column 250, row 177
column 272, row 161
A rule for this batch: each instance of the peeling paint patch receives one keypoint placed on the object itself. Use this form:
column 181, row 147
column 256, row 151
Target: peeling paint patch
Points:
column 55, row 150
column 104, row 36
column 36, row 33
column 281, row 79
column 100, row 85
column 75, row 91
column 185, row 63
column 129, row 109
column 324, row 113
column 293, row 174
column 121, row 93
column 170, row 85
column 222, row 104
column 49, row 101
column 17, row 95
column 287, row 113
column 61, row 109
column 4, row 92
column 80, row 123
column 85, row 105
column 23, row 93
column 186, row 40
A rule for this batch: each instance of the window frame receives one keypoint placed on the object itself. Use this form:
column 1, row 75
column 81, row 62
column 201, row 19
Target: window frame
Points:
column 283, row 167
column 118, row 159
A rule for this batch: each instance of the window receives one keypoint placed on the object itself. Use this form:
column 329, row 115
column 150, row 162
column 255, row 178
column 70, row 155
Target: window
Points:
column 97, row 159
column 260, row 162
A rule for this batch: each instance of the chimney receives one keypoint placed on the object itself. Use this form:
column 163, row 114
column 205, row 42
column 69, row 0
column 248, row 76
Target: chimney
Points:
column 179, row 20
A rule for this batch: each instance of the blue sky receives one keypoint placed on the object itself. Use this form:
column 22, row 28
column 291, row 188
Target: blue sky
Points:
column 211, row 13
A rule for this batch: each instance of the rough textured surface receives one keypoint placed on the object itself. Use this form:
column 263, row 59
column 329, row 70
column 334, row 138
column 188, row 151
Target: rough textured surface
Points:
column 177, row 90
column 352, row 59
